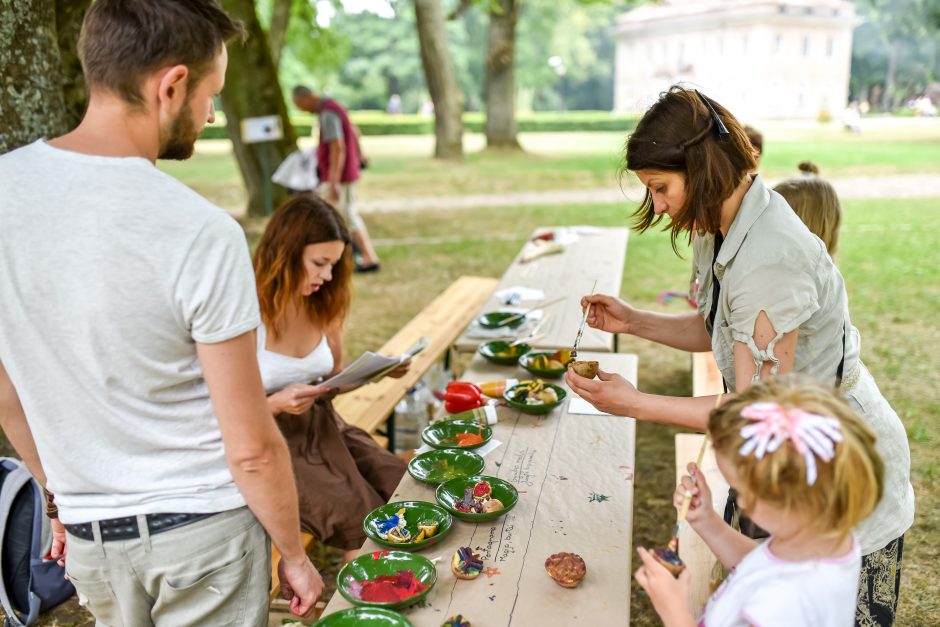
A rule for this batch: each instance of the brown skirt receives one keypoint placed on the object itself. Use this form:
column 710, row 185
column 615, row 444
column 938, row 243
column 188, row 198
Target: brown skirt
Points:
column 342, row 474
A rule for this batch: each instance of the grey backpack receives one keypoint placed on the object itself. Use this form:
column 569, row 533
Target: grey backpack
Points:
column 29, row 583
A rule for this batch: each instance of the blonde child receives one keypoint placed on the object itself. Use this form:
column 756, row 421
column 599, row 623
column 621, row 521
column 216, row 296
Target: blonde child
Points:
column 805, row 468
column 816, row 202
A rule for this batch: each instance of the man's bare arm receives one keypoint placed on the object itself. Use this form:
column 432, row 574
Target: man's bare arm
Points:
column 13, row 422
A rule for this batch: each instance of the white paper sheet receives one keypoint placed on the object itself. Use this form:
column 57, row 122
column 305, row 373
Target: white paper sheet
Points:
column 578, row 405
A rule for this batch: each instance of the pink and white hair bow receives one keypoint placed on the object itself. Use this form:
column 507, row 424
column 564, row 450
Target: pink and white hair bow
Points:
column 772, row 425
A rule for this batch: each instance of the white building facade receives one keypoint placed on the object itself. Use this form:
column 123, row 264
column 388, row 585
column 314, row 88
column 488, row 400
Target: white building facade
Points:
column 762, row 59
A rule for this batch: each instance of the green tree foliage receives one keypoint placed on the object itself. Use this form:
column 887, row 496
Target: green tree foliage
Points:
column 311, row 54
column 897, row 51
column 383, row 56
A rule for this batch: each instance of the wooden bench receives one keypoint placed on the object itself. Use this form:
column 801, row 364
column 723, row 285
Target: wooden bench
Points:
column 441, row 322
column 368, row 407
column 706, row 381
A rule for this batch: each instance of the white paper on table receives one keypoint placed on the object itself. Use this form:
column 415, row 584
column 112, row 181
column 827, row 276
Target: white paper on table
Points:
column 483, row 451
column 525, row 293
column 578, row 405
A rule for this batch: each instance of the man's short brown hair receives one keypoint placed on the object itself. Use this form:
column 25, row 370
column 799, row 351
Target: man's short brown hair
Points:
column 124, row 40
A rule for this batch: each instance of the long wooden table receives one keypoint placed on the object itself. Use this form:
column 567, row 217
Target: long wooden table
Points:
column 575, row 478
column 596, row 254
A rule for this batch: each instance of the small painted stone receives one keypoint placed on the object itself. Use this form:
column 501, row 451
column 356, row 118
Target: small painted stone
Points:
column 482, row 490
column 456, row 621
column 492, row 505
column 466, row 564
column 398, row 535
column 429, row 527
column 567, row 569
column 670, row 559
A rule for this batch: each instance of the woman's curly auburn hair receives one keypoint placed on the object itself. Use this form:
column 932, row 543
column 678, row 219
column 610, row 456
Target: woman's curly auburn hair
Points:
column 279, row 264
column 679, row 134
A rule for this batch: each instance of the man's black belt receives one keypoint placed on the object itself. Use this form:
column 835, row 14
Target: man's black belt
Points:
column 126, row 528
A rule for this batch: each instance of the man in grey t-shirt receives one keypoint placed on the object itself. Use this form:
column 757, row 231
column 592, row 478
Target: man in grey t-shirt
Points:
column 128, row 376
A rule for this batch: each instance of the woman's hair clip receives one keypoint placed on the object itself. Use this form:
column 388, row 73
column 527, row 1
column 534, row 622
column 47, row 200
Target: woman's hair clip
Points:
column 771, row 425
column 723, row 132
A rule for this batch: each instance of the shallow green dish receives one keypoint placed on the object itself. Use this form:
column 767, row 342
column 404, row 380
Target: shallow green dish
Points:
column 435, row 467
column 415, row 512
column 526, row 362
column 542, row 408
column 491, row 350
column 366, row 568
column 438, row 434
column 493, row 320
column 365, row 616
column 452, row 491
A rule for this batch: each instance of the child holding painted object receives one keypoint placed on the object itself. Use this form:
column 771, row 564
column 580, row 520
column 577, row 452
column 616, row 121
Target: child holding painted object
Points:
column 805, row 468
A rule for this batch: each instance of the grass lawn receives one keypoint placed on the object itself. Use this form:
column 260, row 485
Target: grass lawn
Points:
column 401, row 166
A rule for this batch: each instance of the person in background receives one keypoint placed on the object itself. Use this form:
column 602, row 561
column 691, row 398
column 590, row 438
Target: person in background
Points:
column 771, row 301
column 816, row 202
column 129, row 382
column 805, row 467
column 339, row 161
column 302, row 266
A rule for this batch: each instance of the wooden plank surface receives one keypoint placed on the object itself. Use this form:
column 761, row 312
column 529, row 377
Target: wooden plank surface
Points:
column 575, row 476
column 440, row 322
column 692, row 549
column 706, row 378
column 596, row 254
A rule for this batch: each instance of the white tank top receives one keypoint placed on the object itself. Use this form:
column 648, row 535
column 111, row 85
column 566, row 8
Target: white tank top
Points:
column 279, row 371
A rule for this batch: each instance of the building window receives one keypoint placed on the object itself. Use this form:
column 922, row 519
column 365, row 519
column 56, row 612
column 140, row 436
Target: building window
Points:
column 805, row 45
column 830, row 45
column 778, row 41
column 744, row 44
column 721, row 45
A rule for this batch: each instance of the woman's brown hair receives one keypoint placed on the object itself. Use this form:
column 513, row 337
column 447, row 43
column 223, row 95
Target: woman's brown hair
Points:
column 846, row 489
column 689, row 133
column 279, row 264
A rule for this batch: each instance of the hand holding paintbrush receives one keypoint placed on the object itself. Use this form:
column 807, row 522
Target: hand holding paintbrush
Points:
column 669, row 556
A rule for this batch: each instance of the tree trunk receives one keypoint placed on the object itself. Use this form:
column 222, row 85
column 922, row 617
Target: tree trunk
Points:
column 69, row 15
column 251, row 90
column 441, row 80
column 277, row 32
column 31, row 103
column 500, row 86
column 888, row 97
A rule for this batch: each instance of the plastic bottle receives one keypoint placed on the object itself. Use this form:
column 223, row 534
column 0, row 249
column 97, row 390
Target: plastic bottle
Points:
column 495, row 389
column 485, row 415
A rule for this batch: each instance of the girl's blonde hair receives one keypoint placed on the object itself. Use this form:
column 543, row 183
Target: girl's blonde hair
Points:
column 846, row 489
column 817, row 204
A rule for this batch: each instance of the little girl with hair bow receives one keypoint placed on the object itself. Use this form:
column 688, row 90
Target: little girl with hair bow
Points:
column 805, row 469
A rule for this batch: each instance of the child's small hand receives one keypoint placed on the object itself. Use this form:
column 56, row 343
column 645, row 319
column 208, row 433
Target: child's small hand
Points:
column 701, row 494
column 668, row 594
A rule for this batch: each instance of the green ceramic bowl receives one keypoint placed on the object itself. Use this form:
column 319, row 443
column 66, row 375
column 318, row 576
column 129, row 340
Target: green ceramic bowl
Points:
column 364, row 616
column 495, row 352
column 435, row 467
column 442, row 435
column 368, row 567
column 452, row 491
column 415, row 512
column 542, row 408
column 526, row 362
column 494, row 320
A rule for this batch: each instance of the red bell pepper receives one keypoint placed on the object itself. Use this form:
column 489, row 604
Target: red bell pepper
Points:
column 462, row 396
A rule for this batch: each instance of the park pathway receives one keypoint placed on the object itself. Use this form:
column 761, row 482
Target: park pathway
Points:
column 889, row 186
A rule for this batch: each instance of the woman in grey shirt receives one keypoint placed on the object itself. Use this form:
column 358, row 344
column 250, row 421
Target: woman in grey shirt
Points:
column 770, row 301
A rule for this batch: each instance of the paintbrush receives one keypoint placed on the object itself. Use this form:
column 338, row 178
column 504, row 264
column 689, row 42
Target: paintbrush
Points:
column 669, row 556
column 577, row 339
